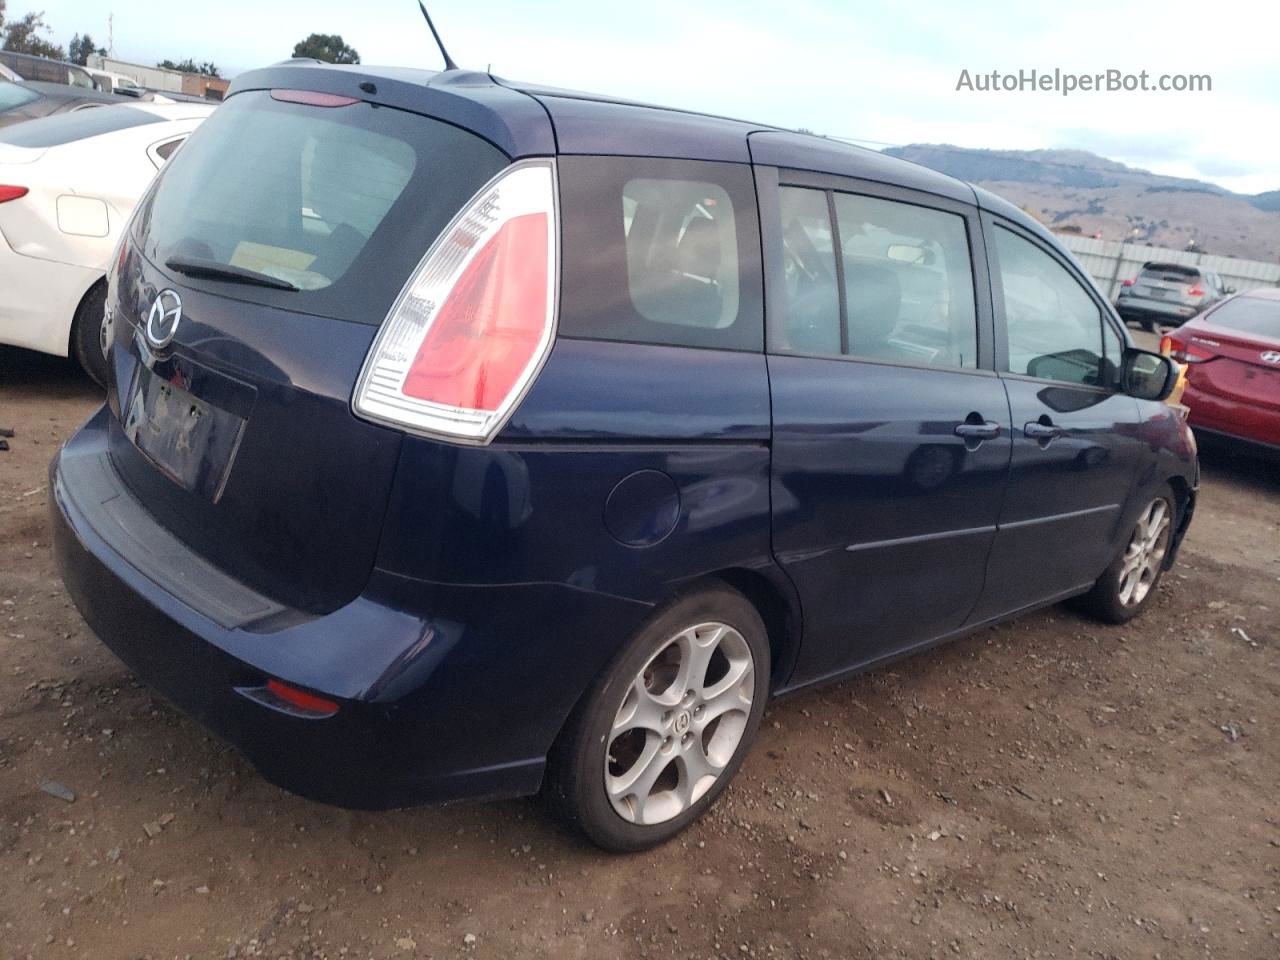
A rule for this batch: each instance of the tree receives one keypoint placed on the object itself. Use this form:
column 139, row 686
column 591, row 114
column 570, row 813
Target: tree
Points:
column 190, row 66
column 79, row 49
column 328, row 47
column 23, row 36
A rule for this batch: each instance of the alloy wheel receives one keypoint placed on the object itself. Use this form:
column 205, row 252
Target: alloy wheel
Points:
column 1145, row 553
column 679, row 723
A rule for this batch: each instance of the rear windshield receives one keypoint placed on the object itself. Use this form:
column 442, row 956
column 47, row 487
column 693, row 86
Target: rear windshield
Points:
column 1170, row 271
column 1248, row 315
column 341, row 202
column 14, row 95
column 67, row 127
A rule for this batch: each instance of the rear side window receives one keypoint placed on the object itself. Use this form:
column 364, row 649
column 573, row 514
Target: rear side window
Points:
column 893, row 283
column 14, row 95
column 660, row 251
column 1253, row 315
column 341, row 202
column 78, row 125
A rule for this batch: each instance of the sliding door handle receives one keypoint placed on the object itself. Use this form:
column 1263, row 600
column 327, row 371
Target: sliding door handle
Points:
column 978, row 431
column 1044, row 432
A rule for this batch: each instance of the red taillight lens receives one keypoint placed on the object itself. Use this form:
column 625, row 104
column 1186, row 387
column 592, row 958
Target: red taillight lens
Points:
column 475, row 321
column 500, row 299
column 308, row 702
column 1196, row 291
column 1127, row 283
column 1181, row 351
column 11, row 193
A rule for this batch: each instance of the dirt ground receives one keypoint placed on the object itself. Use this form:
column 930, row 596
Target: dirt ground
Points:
column 1047, row 788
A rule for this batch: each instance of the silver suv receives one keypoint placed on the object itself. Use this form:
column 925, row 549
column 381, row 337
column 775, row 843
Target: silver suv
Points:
column 1168, row 294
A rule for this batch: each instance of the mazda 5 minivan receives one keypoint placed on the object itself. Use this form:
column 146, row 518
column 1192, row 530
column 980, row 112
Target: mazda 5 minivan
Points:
column 471, row 439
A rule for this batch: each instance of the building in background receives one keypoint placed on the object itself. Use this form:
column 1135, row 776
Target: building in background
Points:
column 159, row 78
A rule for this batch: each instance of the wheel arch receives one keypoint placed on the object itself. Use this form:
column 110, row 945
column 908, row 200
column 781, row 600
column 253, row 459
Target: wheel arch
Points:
column 775, row 599
column 94, row 286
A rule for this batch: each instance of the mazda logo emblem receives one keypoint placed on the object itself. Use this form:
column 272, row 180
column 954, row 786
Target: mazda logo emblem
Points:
column 162, row 321
column 1270, row 356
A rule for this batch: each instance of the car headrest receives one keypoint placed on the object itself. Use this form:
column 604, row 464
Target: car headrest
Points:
column 698, row 253
column 874, row 298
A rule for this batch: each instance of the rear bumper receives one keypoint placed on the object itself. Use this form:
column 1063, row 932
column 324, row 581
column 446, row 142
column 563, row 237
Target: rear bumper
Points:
column 458, row 703
column 1156, row 311
column 1215, row 414
column 38, row 300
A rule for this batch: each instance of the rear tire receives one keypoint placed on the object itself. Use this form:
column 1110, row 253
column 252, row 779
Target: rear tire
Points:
column 87, row 334
column 1126, row 587
column 1149, row 326
column 658, row 737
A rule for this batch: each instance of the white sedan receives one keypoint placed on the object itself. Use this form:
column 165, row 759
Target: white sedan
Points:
column 68, row 185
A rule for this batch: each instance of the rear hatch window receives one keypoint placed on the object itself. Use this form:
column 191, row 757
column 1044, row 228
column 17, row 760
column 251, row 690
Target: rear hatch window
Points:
column 336, row 204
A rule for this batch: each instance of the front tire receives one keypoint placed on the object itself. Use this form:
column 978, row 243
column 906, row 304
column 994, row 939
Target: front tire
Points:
column 659, row 736
column 1126, row 587
column 88, row 331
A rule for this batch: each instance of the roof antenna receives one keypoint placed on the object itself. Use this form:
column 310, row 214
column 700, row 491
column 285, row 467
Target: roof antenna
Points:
column 448, row 60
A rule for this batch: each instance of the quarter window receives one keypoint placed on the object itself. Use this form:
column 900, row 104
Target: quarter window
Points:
column 1054, row 327
column 660, row 251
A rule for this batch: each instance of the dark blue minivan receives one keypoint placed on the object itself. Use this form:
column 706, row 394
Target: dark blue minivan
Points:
column 472, row 439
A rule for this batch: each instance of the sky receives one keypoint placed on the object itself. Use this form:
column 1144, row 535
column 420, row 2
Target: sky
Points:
column 880, row 73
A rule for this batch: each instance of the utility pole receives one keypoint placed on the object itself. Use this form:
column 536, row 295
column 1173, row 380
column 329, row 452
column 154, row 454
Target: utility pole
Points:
column 111, row 34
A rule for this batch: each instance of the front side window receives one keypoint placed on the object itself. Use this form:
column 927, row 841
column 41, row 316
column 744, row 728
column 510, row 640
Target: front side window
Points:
column 1054, row 328
column 660, row 251
column 893, row 282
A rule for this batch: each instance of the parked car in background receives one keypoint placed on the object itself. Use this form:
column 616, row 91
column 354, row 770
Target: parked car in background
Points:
column 24, row 101
column 467, row 439
column 111, row 82
column 1168, row 294
column 68, row 183
column 1232, row 353
column 48, row 71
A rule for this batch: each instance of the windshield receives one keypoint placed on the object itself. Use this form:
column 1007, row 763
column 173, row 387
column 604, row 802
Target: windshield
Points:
column 1254, row 315
column 338, row 202
column 14, row 95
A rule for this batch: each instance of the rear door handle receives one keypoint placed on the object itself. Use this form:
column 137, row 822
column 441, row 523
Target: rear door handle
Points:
column 1044, row 432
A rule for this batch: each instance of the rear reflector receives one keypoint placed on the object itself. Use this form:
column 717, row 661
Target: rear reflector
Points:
column 11, row 193
column 475, row 322
column 307, row 702
column 1196, row 291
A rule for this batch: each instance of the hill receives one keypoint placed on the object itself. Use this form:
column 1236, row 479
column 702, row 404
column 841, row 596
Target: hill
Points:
column 1075, row 189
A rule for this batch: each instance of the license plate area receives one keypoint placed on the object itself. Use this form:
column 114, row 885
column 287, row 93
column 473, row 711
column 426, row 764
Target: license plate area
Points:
column 188, row 439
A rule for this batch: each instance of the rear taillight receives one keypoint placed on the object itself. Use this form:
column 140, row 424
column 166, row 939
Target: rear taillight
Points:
column 1182, row 351
column 1196, row 291
column 11, row 193
column 473, row 325
column 1128, row 283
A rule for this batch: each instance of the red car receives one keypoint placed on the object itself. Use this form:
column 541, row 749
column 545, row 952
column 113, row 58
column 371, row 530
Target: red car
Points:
column 1232, row 352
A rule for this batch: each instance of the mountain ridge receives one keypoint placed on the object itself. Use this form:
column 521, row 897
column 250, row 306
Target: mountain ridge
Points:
column 1078, row 190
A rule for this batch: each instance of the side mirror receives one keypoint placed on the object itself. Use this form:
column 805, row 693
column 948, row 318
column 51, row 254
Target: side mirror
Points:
column 1231, row 290
column 1148, row 376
